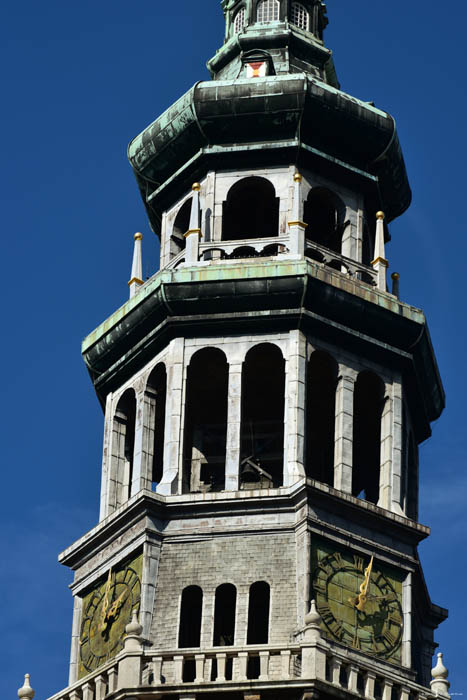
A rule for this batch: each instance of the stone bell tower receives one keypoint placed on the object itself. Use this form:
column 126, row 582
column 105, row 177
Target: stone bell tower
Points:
column 265, row 394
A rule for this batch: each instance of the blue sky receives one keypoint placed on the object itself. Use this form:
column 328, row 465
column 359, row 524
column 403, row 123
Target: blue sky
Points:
column 79, row 80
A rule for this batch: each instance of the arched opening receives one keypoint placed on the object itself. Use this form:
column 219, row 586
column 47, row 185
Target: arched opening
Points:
column 251, row 210
column 156, row 394
column 191, row 610
column 205, row 422
column 239, row 20
column 299, row 16
column 366, row 460
column 224, row 615
column 258, row 613
column 324, row 214
column 262, row 428
column 321, row 417
column 268, row 11
column 123, row 444
column 180, row 227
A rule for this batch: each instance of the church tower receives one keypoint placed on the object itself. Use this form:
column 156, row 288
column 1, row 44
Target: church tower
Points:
column 265, row 394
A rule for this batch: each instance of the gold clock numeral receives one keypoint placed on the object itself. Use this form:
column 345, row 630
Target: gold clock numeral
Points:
column 395, row 619
column 319, row 587
column 391, row 597
column 390, row 638
column 338, row 559
column 356, row 642
column 358, row 563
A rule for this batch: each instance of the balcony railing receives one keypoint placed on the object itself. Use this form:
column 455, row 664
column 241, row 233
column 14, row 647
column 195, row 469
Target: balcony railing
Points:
column 275, row 246
column 231, row 667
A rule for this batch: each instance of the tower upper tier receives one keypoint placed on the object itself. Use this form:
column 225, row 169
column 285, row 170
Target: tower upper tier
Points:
column 274, row 97
column 287, row 35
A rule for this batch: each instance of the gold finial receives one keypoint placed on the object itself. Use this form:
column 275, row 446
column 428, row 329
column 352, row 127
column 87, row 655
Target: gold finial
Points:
column 395, row 276
column 138, row 236
column 297, row 177
column 196, row 187
column 380, row 215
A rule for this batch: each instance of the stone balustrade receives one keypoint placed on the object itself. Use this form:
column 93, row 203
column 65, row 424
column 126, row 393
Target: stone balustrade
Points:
column 306, row 661
column 279, row 245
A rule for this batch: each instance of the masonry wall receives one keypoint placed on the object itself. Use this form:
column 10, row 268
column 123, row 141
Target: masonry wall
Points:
column 240, row 560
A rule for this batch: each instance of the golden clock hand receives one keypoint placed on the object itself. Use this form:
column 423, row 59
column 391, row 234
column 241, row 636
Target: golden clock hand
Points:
column 364, row 587
column 116, row 605
column 105, row 604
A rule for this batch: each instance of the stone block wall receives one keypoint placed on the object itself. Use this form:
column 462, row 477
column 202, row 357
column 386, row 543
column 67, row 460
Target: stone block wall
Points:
column 240, row 560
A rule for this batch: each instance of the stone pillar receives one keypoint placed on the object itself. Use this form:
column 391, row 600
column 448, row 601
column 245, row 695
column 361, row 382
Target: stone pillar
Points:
column 297, row 226
column 390, row 491
column 313, row 647
column 385, row 470
column 344, row 430
column 106, row 460
column 350, row 247
column 174, row 409
column 397, row 449
column 193, row 235
column 75, row 639
column 407, row 612
column 130, row 666
column 149, row 406
column 234, row 418
column 295, row 403
column 136, row 280
column 139, row 476
column 380, row 264
column 118, row 469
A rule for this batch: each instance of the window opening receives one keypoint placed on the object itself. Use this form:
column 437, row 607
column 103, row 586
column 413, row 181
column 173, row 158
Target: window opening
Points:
column 124, row 445
column 258, row 613
column 224, row 615
column 321, row 417
column 156, row 396
column 300, row 16
column 180, row 227
column 262, row 428
column 368, row 408
column 268, row 11
column 251, row 210
column 205, row 422
column 239, row 20
column 324, row 216
column 190, row 617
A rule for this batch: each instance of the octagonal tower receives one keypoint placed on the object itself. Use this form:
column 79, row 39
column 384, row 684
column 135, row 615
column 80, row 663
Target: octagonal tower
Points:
column 265, row 394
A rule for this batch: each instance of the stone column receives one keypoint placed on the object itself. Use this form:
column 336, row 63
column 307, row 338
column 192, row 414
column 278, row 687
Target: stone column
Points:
column 344, row 429
column 390, row 491
column 297, row 226
column 295, row 403
column 139, row 478
column 106, row 460
column 234, row 418
column 118, row 470
column 384, row 500
column 193, row 235
column 144, row 440
column 174, row 408
column 407, row 612
column 397, row 449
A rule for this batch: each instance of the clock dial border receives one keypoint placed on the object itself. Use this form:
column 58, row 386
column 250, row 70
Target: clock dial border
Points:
column 101, row 637
column 378, row 629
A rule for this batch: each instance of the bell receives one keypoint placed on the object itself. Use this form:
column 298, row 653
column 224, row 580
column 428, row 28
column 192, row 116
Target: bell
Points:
column 250, row 475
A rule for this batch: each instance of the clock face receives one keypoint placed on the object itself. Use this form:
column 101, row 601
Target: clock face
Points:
column 359, row 602
column 107, row 609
